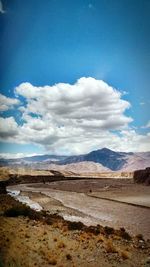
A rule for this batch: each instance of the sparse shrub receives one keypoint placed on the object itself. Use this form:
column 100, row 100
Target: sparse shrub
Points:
column 94, row 230
column 48, row 220
column 108, row 230
column 85, row 236
column 69, row 257
column 61, row 245
column 27, row 236
column 125, row 254
column 124, row 234
column 90, row 190
column 43, row 212
column 75, row 226
column 52, row 261
column 101, row 239
column 109, row 246
column 22, row 210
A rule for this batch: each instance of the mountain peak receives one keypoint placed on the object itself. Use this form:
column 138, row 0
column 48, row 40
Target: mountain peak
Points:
column 105, row 149
column 102, row 150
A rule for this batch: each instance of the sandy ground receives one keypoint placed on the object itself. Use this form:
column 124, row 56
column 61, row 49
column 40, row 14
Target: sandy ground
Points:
column 96, row 202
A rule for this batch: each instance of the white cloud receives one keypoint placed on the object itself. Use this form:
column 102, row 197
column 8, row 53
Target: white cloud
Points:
column 86, row 101
column 132, row 141
column 7, row 103
column 147, row 125
column 15, row 155
column 1, row 8
column 8, row 128
column 75, row 118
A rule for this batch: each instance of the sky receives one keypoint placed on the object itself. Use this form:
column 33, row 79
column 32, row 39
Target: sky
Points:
column 74, row 76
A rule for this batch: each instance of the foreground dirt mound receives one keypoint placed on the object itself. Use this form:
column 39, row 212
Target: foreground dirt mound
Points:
column 29, row 239
column 142, row 176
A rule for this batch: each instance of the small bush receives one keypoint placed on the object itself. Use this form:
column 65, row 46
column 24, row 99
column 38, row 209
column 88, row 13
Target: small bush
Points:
column 48, row 220
column 75, row 226
column 52, row 261
column 125, row 255
column 110, row 248
column 22, row 210
column 27, row 235
column 69, row 257
column 61, row 245
column 108, row 230
column 124, row 234
column 101, row 238
column 17, row 211
column 93, row 229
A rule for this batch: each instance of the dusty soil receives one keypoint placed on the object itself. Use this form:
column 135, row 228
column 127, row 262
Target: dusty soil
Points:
column 27, row 242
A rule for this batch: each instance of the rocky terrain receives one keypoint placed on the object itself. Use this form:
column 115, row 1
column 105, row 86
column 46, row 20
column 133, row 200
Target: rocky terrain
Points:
column 29, row 238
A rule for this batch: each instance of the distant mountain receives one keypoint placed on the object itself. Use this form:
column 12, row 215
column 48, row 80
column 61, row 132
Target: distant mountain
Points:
column 108, row 158
column 32, row 160
column 99, row 160
column 40, row 158
column 137, row 161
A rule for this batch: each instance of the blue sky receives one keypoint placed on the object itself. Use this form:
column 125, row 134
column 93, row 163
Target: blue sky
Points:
column 60, row 41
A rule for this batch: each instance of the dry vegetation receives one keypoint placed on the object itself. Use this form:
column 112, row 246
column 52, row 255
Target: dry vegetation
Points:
column 4, row 173
column 29, row 238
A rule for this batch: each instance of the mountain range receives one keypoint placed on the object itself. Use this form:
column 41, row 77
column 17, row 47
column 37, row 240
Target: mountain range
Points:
column 96, row 161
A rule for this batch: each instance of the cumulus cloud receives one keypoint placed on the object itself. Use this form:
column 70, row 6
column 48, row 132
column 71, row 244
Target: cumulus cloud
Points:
column 7, row 103
column 8, row 128
column 75, row 118
column 89, row 102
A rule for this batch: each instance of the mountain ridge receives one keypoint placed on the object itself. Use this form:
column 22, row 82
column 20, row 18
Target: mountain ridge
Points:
column 106, row 158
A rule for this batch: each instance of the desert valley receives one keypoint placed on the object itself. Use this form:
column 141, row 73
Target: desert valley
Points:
column 76, row 212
